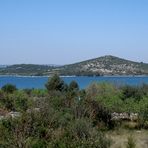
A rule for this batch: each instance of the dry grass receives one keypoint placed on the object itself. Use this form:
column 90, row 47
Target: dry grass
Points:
column 120, row 138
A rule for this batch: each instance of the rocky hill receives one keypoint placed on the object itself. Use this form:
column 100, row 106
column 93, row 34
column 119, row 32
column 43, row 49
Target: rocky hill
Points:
column 106, row 65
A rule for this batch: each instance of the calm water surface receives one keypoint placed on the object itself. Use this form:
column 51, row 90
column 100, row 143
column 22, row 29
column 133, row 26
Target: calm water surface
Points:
column 39, row 82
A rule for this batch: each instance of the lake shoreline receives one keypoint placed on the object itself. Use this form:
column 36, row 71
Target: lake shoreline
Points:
column 46, row 76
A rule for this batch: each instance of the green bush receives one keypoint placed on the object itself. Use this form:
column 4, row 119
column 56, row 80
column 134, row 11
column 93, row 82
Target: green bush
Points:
column 18, row 101
column 106, row 94
column 9, row 88
column 132, row 92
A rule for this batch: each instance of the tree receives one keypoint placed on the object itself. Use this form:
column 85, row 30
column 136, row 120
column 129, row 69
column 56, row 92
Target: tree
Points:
column 55, row 83
column 73, row 86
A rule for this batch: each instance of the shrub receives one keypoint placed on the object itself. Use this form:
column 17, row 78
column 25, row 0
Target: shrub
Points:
column 130, row 143
column 143, row 118
column 28, row 91
column 106, row 94
column 132, row 92
column 100, row 114
column 21, row 101
column 36, row 143
column 17, row 101
column 9, row 88
column 80, row 129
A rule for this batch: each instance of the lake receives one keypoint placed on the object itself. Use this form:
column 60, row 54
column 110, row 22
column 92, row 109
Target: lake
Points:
column 83, row 81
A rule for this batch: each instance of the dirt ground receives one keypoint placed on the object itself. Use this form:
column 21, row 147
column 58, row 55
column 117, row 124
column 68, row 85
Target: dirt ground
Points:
column 120, row 138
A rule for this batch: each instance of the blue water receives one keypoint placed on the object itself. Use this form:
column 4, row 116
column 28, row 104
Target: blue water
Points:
column 39, row 82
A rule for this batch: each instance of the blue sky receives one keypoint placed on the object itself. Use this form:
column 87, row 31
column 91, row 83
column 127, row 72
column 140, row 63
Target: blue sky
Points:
column 68, row 31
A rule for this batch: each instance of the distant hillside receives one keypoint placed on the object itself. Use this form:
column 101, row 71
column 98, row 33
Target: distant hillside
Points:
column 106, row 65
column 26, row 69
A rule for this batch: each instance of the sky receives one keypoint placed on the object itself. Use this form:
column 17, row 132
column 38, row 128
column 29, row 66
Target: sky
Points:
column 68, row 31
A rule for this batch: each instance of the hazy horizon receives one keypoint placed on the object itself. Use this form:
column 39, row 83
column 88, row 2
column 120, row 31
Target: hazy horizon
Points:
column 66, row 32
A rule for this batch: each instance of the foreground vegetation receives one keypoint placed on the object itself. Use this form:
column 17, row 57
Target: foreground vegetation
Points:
column 63, row 116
